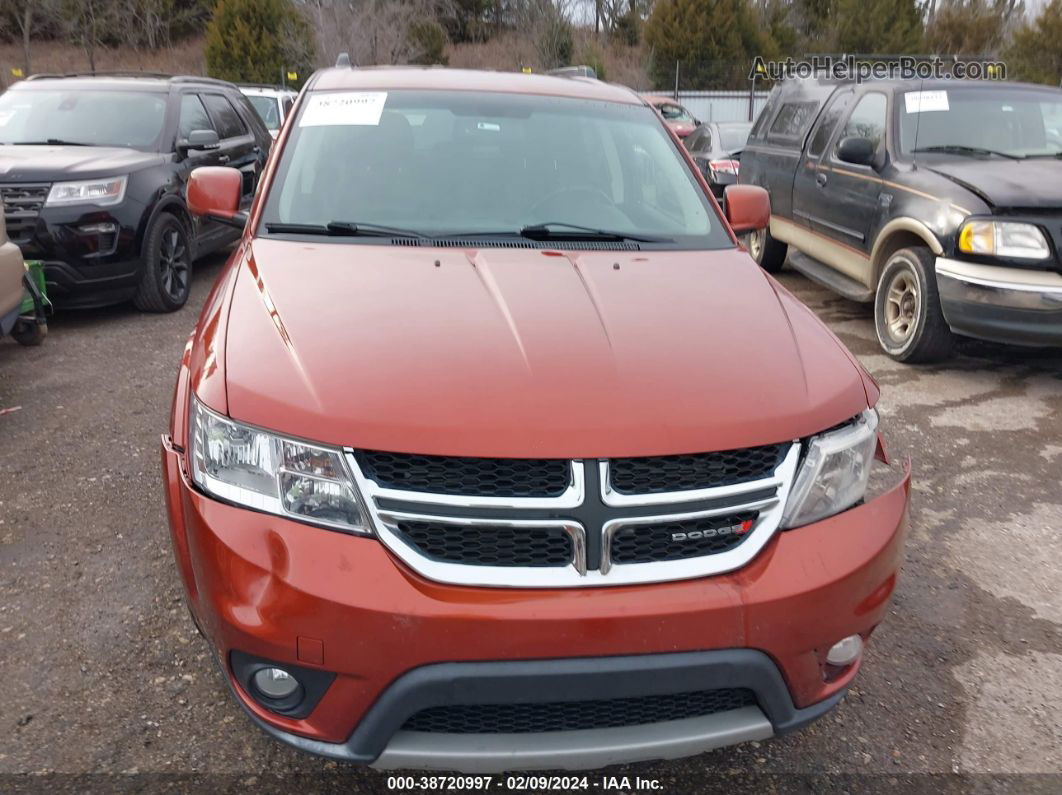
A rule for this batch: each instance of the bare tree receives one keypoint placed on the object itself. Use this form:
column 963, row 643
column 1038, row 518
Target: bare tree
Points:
column 88, row 23
column 30, row 16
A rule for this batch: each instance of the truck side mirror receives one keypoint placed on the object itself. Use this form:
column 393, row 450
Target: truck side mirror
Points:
column 748, row 208
column 214, row 193
column 860, row 151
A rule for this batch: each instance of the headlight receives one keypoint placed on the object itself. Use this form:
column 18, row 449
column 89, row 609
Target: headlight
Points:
column 1003, row 239
column 102, row 192
column 834, row 473
column 260, row 470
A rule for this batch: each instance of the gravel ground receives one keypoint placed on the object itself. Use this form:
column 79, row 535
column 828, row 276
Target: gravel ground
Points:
column 107, row 686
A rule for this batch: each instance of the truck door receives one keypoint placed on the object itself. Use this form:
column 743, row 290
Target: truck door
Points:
column 811, row 177
column 845, row 208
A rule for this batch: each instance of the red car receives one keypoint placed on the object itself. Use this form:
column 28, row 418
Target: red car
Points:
column 493, row 450
column 675, row 115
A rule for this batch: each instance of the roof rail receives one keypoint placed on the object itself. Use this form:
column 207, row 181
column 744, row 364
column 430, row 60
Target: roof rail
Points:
column 574, row 71
column 119, row 73
column 343, row 59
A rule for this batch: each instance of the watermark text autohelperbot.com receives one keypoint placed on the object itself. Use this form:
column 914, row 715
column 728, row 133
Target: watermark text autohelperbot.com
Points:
column 860, row 68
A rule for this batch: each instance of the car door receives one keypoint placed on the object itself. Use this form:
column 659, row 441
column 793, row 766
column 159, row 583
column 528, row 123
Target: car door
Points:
column 192, row 115
column 812, row 176
column 239, row 149
column 695, row 143
column 848, row 193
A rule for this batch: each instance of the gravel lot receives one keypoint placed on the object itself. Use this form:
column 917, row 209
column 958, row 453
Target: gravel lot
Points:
column 107, row 686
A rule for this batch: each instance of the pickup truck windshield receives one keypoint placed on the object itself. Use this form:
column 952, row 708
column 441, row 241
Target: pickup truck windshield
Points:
column 131, row 119
column 446, row 163
column 966, row 120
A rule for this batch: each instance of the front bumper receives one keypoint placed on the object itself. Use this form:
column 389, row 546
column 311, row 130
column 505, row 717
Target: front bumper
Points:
column 999, row 304
column 397, row 643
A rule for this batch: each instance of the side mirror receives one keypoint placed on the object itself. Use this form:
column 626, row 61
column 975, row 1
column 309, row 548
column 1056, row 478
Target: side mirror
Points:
column 214, row 193
column 860, row 151
column 748, row 208
column 201, row 140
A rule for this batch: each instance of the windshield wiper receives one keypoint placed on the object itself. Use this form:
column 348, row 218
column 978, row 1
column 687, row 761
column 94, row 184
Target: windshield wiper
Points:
column 957, row 149
column 50, row 142
column 343, row 229
column 1055, row 155
column 544, row 231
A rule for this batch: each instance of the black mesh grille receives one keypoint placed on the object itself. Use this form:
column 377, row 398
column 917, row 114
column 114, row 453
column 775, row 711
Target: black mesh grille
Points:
column 695, row 537
column 654, row 474
column 476, row 545
column 572, row 715
column 22, row 205
column 486, row 477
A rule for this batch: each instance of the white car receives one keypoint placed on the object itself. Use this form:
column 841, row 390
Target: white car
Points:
column 272, row 103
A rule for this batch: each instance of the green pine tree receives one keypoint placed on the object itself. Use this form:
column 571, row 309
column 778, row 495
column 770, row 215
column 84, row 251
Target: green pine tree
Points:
column 1034, row 53
column 255, row 41
column 713, row 41
column 877, row 26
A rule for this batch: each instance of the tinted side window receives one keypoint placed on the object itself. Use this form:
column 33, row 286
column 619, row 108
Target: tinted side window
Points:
column 868, row 119
column 828, row 122
column 759, row 129
column 193, row 116
column 793, row 120
column 694, row 141
column 230, row 125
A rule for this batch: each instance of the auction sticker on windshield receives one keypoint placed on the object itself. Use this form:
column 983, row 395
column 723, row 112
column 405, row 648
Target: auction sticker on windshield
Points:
column 922, row 101
column 344, row 108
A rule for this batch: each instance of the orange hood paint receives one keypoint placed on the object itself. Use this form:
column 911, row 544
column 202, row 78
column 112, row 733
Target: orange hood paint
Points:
column 525, row 352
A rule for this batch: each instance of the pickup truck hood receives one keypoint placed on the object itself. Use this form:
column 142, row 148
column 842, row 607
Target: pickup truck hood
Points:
column 527, row 352
column 1007, row 183
column 59, row 163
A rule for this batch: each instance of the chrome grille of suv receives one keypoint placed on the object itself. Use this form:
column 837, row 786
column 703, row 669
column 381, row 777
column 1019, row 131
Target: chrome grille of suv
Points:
column 548, row 523
column 22, row 205
column 482, row 477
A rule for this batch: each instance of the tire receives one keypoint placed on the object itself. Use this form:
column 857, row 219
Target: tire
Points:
column 167, row 257
column 29, row 332
column 768, row 252
column 907, row 315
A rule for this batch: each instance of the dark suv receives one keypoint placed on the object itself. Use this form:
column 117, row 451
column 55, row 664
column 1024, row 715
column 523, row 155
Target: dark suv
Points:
column 92, row 176
column 940, row 202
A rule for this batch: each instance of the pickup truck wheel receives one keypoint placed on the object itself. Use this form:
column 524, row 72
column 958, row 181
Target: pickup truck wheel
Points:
column 768, row 252
column 907, row 316
column 167, row 277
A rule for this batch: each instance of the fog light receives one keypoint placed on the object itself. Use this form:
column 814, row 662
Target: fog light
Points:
column 845, row 651
column 275, row 683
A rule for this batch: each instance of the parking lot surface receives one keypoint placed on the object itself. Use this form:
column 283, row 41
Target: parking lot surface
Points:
column 108, row 686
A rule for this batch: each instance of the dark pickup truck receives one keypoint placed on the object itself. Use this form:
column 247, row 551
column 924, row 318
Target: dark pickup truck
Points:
column 940, row 202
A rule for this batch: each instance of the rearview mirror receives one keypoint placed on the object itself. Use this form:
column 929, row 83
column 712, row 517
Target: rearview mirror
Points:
column 860, row 151
column 202, row 140
column 214, row 193
column 748, row 208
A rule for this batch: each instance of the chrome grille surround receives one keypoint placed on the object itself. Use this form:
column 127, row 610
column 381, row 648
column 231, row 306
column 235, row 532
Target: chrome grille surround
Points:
column 590, row 512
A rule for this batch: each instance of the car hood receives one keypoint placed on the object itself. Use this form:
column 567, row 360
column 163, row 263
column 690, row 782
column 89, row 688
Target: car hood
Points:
column 1007, row 183
column 54, row 163
column 527, row 352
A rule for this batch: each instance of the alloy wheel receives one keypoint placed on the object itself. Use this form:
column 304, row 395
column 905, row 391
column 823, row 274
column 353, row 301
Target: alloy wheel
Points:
column 902, row 305
column 173, row 264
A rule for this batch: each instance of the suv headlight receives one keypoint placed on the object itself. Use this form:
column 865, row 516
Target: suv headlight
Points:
column 102, row 192
column 271, row 473
column 1003, row 239
column 834, row 473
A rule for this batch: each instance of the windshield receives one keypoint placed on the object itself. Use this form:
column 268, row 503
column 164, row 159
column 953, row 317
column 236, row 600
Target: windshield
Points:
column 734, row 136
column 96, row 118
column 268, row 108
column 459, row 162
column 1010, row 120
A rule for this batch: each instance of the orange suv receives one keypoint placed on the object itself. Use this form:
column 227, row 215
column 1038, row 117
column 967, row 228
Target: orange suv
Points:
column 493, row 450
